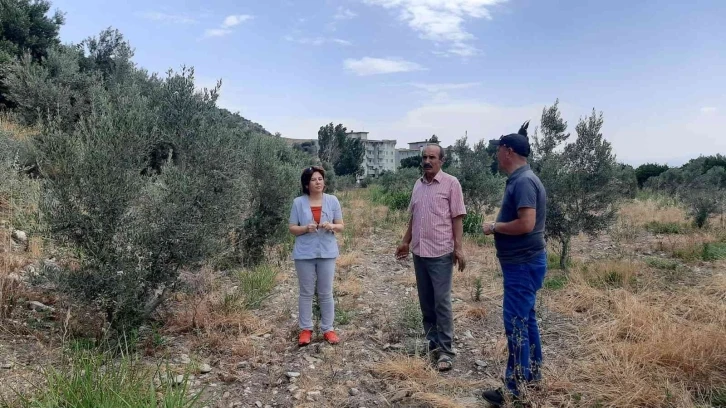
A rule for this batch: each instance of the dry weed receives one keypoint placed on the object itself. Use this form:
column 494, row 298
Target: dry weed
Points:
column 350, row 286
column 643, row 212
column 404, row 368
column 345, row 261
column 432, row 400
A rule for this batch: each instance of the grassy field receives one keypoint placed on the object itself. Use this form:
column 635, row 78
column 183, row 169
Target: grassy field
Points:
column 638, row 320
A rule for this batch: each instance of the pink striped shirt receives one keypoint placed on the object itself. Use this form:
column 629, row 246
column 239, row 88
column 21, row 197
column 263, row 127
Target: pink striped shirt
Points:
column 433, row 207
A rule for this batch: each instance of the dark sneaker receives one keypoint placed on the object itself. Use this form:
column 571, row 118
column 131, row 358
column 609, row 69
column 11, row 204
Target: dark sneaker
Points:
column 494, row 397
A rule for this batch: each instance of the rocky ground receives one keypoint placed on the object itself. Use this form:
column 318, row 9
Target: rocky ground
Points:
column 249, row 358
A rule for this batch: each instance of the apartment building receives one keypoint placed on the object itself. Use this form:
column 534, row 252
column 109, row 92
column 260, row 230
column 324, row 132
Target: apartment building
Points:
column 380, row 155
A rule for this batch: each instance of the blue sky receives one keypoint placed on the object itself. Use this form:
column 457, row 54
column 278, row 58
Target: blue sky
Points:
column 406, row 69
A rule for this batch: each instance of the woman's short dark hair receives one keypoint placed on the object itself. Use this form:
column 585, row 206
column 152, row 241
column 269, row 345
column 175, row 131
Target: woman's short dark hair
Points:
column 307, row 174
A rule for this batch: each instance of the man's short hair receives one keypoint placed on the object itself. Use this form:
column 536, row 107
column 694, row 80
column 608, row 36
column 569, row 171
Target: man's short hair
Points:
column 442, row 152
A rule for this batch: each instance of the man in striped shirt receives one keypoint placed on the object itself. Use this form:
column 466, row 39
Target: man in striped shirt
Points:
column 434, row 235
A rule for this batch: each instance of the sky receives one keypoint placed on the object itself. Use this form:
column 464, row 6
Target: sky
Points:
column 407, row 69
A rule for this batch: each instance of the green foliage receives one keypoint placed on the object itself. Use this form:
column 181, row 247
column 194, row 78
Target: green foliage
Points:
column 554, row 261
column 718, row 398
column 482, row 190
column 662, row 263
column 657, row 227
column 648, row 170
column 145, row 176
column 351, row 157
column 555, row 282
column 58, row 88
column 478, row 289
column 581, row 179
column 273, row 174
column 472, row 222
column 707, row 195
column 19, row 195
column 408, row 320
column 345, row 153
column 627, row 181
column 700, row 183
column 255, row 284
column 133, row 232
column 411, row 162
column 713, row 251
column 26, row 26
column 395, row 188
column 342, row 316
column 89, row 378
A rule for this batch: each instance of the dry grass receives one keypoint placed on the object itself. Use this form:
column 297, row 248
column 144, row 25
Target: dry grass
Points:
column 11, row 289
column 643, row 212
column 404, row 368
column 16, row 131
column 613, row 273
column 663, row 348
column 347, row 260
column 432, row 400
column 422, row 384
column 687, row 247
column 349, row 286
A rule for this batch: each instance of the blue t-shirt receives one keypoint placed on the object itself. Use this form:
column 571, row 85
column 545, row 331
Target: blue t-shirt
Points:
column 524, row 190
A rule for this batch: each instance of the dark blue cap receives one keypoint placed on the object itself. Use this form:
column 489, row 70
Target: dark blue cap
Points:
column 518, row 142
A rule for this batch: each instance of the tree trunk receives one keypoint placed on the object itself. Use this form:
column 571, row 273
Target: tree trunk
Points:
column 564, row 253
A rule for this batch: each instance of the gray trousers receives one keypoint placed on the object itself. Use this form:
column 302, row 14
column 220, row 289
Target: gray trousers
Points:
column 310, row 272
column 433, row 280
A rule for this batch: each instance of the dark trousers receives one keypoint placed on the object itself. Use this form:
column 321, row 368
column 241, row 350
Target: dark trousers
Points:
column 521, row 283
column 433, row 280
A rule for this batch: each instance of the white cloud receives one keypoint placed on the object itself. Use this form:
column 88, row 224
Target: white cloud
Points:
column 344, row 14
column 317, row 40
column 442, row 21
column 233, row 20
column 709, row 109
column 167, row 18
column 226, row 27
column 374, row 66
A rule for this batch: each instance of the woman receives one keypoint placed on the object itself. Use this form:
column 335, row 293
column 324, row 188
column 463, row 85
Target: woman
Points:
column 315, row 217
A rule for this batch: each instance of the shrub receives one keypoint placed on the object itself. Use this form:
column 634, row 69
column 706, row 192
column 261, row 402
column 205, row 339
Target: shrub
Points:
column 135, row 222
column 255, row 284
column 664, row 227
column 272, row 180
column 472, row 222
column 661, row 263
column 555, row 282
column 713, row 251
column 92, row 379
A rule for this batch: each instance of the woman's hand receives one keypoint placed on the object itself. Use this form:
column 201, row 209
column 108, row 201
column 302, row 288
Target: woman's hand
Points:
column 328, row 226
column 312, row 227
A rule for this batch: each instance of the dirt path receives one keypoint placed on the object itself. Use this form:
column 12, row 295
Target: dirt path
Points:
column 373, row 366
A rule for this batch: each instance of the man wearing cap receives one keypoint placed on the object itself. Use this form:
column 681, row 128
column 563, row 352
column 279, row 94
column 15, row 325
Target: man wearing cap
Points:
column 520, row 244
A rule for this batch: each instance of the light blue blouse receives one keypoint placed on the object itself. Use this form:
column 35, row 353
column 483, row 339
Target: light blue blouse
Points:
column 320, row 244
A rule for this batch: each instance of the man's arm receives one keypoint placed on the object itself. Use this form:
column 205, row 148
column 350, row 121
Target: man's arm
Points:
column 524, row 224
column 408, row 235
column 458, row 232
column 403, row 248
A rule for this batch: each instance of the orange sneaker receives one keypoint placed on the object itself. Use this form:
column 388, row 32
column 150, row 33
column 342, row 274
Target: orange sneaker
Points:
column 331, row 337
column 305, row 338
